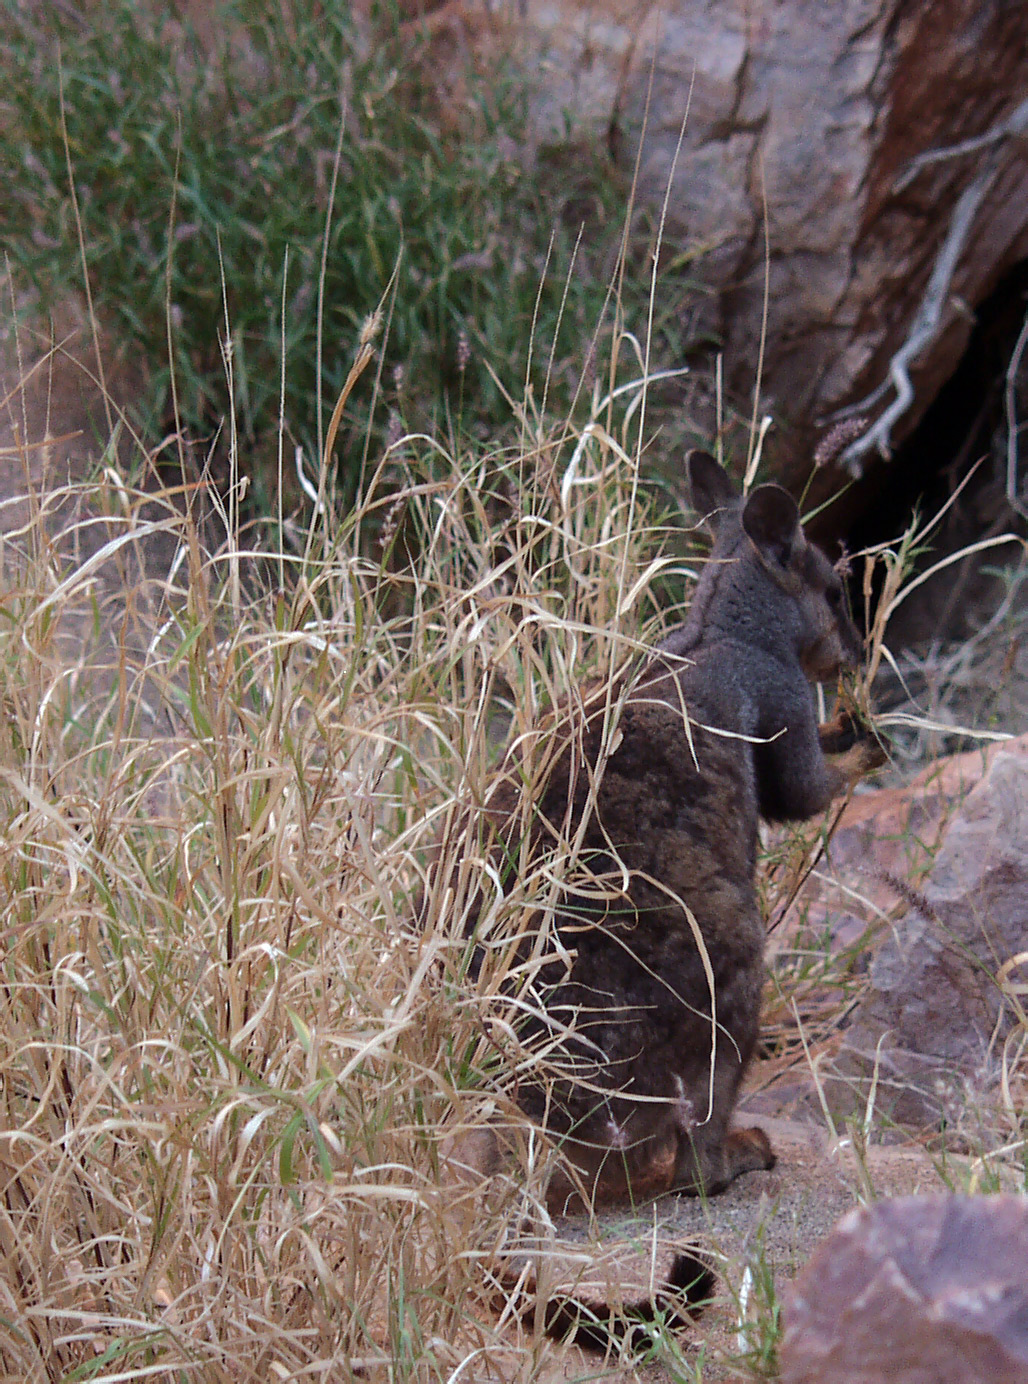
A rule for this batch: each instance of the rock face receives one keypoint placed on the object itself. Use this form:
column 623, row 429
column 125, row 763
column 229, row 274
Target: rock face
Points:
column 831, row 115
column 947, row 980
column 920, row 1290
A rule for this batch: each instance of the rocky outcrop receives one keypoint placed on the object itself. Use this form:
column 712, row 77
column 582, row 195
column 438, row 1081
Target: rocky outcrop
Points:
column 886, row 142
column 947, row 980
column 919, row 1289
column 926, row 889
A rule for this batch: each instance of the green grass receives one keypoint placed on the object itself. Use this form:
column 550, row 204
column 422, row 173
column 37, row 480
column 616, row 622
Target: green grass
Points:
column 229, row 197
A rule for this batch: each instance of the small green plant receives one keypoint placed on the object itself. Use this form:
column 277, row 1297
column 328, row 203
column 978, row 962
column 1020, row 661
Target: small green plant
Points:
column 758, row 1310
column 252, row 198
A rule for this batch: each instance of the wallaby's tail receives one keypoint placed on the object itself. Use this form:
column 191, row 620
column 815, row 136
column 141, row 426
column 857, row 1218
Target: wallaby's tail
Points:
column 690, row 1284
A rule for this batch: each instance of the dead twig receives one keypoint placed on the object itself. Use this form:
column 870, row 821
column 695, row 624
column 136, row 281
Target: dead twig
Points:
column 927, row 320
column 1014, row 498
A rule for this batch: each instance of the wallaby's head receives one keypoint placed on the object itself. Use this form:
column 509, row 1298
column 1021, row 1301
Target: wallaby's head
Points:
column 762, row 531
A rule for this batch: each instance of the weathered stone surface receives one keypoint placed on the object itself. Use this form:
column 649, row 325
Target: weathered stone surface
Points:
column 944, row 978
column 883, row 835
column 920, row 1290
column 818, row 112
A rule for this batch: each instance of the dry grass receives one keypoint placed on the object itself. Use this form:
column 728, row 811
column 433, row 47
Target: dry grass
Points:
column 227, row 1055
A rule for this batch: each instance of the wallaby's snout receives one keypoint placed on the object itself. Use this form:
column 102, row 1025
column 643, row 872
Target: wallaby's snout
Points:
column 831, row 643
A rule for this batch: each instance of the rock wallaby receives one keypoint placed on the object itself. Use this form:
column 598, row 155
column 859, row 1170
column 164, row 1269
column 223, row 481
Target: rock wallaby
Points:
column 718, row 729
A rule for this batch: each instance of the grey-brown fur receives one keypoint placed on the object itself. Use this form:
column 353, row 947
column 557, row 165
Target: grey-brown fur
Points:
column 635, row 1105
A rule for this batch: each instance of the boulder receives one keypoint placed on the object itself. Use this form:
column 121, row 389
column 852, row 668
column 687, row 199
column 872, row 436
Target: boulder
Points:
column 947, row 981
column 919, row 1290
column 885, row 837
column 881, row 143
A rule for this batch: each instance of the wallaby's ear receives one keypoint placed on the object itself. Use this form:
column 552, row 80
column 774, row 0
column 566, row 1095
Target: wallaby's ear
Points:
column 771, row 521
column 710, row 488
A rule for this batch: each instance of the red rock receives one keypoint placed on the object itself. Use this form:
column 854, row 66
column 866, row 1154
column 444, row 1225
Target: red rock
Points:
column 943, row 978
column 919, row 1290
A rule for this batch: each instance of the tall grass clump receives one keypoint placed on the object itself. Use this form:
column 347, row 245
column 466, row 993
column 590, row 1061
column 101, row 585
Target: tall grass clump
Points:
column 232, row 1056
column 265, row 183
column 229, row 1055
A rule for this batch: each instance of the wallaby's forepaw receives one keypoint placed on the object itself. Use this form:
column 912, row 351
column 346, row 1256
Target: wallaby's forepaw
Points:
column 839, row 734
column 846, row 729
column 874, row 752
column 847, row 769
column 855, row 745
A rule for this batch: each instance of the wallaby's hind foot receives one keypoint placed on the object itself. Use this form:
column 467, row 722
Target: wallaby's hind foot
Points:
column 748, row 1151
column 706, row 1172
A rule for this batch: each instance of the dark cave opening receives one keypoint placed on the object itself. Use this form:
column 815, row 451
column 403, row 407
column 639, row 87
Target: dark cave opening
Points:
column 963, row 430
